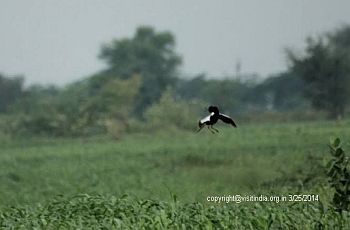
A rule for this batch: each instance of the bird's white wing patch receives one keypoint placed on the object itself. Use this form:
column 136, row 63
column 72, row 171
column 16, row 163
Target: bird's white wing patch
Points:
column 225, row 115
column 207, row 118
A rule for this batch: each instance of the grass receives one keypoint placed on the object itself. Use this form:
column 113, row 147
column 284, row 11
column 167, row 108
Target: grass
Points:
column 253, row 159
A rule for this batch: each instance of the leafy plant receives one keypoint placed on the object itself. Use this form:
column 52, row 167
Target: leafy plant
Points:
column 85, row 211
column 339, row 176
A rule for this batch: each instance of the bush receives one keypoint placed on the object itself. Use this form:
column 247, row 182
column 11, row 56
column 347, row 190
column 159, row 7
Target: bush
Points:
column 339, row 176
column 169, row 112
column 76, row 111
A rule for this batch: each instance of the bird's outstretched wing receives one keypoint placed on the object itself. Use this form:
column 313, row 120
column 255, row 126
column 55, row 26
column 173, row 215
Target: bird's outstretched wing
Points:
column 227, row 119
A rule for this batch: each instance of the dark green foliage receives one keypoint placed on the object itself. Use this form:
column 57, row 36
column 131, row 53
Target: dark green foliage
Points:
column 339, row 176
column 229, row 94
column 11, row 89
column 325, row 69
column 150, row 54
column 78, row 110
column 36, row 112
column 50, row 111
column 281, row 92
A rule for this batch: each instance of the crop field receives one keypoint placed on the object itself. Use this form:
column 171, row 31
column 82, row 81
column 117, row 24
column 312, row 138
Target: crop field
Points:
column 163, row 180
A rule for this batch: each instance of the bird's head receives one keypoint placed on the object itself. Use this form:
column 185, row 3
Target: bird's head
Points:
column 213, row 109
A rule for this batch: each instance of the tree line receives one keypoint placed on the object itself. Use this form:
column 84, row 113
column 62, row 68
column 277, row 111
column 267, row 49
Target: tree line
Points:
column 141, row 88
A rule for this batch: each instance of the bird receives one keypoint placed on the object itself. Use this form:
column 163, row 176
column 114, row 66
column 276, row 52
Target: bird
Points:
column 214, row 116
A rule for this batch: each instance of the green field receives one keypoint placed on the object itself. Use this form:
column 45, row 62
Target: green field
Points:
column 254, row 159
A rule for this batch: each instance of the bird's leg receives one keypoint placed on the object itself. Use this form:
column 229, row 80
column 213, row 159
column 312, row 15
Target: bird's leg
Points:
column 200, row 128
column 214, row 128
column 210, row 130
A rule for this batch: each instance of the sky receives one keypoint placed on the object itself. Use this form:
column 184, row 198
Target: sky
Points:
column 58, row 41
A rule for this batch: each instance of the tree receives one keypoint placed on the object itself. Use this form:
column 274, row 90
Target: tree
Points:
column 149, row 54
column 90, row 108
column 281, row 92
column 36, row 112
column 78, row 109
column 228, row 94
column 325, row 70
column 11, row 90
column 112, row 104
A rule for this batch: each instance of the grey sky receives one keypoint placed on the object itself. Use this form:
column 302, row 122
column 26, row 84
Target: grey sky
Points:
column 57, row 41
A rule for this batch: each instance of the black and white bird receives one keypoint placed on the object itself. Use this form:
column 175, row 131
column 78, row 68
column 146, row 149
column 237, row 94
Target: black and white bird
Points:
column 214, row 116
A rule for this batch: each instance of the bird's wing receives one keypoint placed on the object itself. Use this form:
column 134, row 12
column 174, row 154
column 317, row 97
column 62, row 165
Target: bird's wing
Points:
column 227, row 119
column 207, row 118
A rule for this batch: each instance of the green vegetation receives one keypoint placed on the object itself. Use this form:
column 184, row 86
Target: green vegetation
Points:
column 255, row 159
column 339, row 176
column 141, row 69
column 99, row 212
column 150, row 54
column 325, row 69
column 129, row 129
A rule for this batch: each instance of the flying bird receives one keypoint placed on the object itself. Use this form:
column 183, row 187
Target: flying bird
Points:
column 214, row 116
